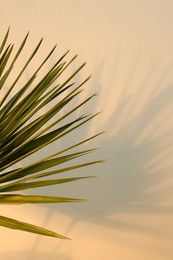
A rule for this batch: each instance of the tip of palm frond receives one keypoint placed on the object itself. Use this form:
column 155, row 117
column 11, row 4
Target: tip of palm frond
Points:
column 75, row 56
column 7, row 33
column 103, row 132
column 67, row 51
column 27, row 34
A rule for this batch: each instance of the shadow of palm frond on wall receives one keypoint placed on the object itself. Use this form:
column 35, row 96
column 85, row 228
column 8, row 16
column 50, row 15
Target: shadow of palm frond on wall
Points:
column 132, row 180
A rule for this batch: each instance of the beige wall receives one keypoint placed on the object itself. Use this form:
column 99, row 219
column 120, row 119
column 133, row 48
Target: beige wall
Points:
column 128, row 47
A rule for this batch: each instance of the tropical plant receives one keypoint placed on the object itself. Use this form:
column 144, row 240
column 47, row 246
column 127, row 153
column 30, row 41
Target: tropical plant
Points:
column 28, row 123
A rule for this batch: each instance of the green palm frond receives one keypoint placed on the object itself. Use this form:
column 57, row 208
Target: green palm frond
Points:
column 24, row 130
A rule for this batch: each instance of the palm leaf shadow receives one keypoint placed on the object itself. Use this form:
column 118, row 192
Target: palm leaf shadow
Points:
column 128, row 173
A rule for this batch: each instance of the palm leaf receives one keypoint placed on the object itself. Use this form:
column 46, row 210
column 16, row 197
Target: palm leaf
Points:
column 36, row 184
column 24, row 130
column 16, row 224
column 21, row 199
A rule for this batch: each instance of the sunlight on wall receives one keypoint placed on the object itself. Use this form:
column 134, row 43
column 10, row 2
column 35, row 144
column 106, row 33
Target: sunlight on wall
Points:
column 128, row 48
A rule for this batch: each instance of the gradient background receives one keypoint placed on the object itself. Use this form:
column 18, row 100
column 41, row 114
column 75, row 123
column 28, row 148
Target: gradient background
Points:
column 127, row 45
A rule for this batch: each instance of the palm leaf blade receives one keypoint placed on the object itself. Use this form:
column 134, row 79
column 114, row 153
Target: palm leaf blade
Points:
column 22, row 199
column 4, row 41
column 16, row 224
column 36, row 184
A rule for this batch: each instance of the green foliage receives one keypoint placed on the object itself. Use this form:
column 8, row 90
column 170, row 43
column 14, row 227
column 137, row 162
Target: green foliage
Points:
column 24, row 130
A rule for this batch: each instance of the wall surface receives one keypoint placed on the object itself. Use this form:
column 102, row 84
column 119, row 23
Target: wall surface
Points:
column 127, row 45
